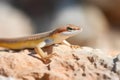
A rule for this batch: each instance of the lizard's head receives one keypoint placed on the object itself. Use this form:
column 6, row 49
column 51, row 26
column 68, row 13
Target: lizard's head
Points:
column 68, row 30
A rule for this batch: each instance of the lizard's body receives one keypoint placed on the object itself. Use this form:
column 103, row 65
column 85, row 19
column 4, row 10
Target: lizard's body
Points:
column 24, row 42
column 41, row 40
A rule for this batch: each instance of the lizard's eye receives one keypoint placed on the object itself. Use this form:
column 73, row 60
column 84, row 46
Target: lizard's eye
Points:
column 69, row 29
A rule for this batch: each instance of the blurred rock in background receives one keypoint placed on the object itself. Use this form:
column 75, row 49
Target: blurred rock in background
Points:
column 41, row 12
column 13, row 22
column 110, row 9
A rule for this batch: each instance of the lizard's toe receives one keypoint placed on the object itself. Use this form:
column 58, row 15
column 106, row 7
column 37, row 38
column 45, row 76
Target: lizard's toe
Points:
column 47, row 60
column 75, row 46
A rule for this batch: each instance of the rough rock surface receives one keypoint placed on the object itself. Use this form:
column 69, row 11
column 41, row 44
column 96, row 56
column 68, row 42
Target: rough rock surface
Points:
column 68, row 64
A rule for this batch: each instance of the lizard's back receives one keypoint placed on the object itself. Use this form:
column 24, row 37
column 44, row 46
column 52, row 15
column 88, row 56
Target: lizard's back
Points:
column 23, row 42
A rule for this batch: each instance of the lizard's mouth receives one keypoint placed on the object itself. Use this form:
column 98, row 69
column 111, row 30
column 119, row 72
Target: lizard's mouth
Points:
column 71, row 33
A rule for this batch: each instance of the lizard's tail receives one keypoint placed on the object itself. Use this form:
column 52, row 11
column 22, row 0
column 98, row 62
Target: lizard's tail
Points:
column 7, row 43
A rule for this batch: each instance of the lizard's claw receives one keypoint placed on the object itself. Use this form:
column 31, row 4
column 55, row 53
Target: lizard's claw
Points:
column 46, row 59
column 75, row 46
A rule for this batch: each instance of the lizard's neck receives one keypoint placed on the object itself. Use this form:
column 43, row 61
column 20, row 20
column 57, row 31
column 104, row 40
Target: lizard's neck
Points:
column 58, row 38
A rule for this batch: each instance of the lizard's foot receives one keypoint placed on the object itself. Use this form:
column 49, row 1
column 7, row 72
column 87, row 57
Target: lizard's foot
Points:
column 75, row 46
column 46, row 59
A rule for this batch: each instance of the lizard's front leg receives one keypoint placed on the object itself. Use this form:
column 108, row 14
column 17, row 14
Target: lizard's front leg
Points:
column 41, row 53
column 44, row 57
column 68, row 44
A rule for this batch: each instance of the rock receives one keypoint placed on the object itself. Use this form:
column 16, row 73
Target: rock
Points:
column 68, row 64
column 116, row 67
column 6, row 78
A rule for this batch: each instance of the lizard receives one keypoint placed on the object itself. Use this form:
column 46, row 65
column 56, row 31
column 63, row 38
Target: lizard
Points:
column 40, row 40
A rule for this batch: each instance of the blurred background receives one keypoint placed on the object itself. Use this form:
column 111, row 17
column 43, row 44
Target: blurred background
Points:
column 100, row 20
